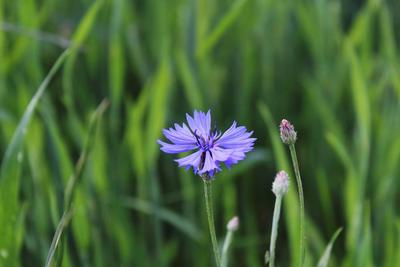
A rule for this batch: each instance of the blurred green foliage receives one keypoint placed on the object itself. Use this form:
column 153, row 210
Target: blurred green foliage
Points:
column 329, row 66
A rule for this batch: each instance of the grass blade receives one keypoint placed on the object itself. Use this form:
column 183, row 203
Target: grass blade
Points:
column 227, row 20
column 11, row 167
column 16, row 143
column 65, row 219
column 78, row 39
column 166, row 215
column 52, row 259
column 324, row 260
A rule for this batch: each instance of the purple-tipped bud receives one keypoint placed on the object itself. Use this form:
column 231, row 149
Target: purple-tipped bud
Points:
column 233, row 224
column 281, row 184
column 288, row 134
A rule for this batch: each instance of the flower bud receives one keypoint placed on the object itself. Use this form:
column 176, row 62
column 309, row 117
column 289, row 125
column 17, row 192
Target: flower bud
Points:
column 281, row 184
column 233, row 224
column 288, row 135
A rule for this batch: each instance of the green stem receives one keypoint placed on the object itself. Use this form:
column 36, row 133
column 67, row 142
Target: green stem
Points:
column 301, row 197
column 274, row 232
column 210, row 217
column 225, row 247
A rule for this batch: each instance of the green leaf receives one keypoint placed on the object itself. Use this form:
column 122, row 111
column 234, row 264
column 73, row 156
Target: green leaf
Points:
column 223, row 25
column 191, row 88
column 53, row 252
column 82, row 31
column 164, row 214
column 324, row 260
column 11, row 168
column 54, row 257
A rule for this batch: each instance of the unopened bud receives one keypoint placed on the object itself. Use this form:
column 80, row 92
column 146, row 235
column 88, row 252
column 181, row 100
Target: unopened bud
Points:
column 288, row 134
column 233, row 224
column 281, row 184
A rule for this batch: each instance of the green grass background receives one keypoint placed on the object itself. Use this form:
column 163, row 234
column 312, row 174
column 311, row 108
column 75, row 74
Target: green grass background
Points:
column 329, row 66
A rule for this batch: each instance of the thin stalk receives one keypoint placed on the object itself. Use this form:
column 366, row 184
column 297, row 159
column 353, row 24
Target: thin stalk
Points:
column 210, row 217
column 301, row 197
column 274, row 232
column 225, row 247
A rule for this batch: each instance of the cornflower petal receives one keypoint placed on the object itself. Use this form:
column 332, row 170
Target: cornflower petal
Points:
column 192, row 124
column 178, row 137
column 192, row 160
column 176, row 148
column 200, row 123
column 209, row 164
column 220, row 154
column 204, row 121
column 236, row 138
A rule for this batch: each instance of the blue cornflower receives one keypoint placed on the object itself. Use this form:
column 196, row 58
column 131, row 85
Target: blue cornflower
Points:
column 210, row 148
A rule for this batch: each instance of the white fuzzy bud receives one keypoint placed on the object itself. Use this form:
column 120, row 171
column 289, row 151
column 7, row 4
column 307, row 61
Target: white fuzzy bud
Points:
column 233, row 224
column 281, row 184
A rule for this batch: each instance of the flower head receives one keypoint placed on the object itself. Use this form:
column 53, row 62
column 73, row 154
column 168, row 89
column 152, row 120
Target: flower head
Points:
column 288, row 135
column 281, row 184
column 233, row 224
column 210, row 148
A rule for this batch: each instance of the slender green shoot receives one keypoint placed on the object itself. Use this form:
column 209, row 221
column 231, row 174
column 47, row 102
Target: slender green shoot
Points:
column 274, row 232
column 225, row 248
column 232, row 227
column 280, row 187
column 210, row 218
column 301, row 197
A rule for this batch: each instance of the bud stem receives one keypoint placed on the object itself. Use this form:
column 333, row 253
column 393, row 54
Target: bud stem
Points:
column 210, row 217
column 301, row 198
column 274, row 231
column 225, row 247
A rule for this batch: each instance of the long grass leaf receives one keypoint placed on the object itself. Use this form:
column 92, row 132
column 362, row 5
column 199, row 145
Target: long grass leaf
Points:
column 180, row 223
column 71, row 187
column 11, row 167
column 223, row 25
column 116, row 59
column 85, row 26
column 324, row 260
column 16, row 143
column 65, row 219
column 190, row 86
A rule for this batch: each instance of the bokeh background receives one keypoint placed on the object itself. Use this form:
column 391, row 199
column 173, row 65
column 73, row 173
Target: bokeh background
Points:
column 329, row 66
